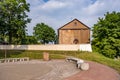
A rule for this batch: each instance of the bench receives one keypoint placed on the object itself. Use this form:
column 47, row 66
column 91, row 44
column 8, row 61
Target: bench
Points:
column 7, row 60
column 79, row 62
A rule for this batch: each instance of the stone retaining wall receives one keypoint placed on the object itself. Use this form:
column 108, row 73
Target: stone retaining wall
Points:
column 81, row 47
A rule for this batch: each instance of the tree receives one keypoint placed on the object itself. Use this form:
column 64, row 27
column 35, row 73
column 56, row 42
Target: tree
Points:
column 106, row 35
column 44, row 33
column 31, row 40
column 13, row 20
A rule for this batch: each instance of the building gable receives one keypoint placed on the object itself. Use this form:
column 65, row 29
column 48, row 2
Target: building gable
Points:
column 74, row 32
column 75, row 24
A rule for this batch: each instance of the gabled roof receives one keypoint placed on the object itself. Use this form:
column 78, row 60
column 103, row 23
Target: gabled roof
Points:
column 68, row 25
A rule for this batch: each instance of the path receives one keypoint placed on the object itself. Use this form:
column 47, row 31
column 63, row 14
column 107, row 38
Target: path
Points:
column 96, row 72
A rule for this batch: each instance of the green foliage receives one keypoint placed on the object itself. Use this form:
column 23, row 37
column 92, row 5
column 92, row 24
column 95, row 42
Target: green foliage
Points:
column 44, row 33
column 30, row 40
column 106, row 35
column 13, row 20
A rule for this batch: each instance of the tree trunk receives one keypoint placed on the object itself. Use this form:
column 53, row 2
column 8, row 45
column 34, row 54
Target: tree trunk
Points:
column 10, row 37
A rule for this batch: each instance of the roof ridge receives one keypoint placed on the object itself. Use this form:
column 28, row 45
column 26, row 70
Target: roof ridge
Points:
column 72, row 21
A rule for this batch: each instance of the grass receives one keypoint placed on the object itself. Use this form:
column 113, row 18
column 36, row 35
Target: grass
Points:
column 35, row 54
column 115, row 64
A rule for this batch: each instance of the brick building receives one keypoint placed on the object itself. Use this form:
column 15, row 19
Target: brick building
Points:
column 74, row 32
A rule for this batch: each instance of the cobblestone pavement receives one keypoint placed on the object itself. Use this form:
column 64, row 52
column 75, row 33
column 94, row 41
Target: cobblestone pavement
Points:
column 37, row 70
column 96, row 72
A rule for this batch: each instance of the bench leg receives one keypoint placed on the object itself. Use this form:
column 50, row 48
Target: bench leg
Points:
column 78, row 65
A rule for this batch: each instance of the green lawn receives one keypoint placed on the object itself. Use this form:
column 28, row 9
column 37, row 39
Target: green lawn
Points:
column 62, row 55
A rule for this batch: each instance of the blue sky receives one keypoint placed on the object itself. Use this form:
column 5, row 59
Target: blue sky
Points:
column 45, row 0
column 56, row 13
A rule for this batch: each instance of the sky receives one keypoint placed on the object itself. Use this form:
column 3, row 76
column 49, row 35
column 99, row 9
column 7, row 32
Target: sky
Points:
column 57, row 13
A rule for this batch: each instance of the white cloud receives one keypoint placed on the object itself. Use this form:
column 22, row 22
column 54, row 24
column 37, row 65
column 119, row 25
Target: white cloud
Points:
column 56, row 13
column 100, row 7
column 51, row 5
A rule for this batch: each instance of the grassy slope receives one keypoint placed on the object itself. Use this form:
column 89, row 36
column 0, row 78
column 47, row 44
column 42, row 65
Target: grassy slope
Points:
column 62, row 54
column 101, row 59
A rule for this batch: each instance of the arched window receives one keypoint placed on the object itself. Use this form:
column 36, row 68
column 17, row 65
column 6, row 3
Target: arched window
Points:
column 75, row 41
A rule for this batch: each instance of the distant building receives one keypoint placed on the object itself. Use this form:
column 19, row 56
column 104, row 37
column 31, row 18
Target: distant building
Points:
column 74, row 32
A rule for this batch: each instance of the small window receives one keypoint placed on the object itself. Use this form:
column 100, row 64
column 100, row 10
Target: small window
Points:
column 75, row 23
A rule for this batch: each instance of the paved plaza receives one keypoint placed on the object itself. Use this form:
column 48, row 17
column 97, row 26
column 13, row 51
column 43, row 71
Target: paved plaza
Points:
column 37, row 70
column 55, row 70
